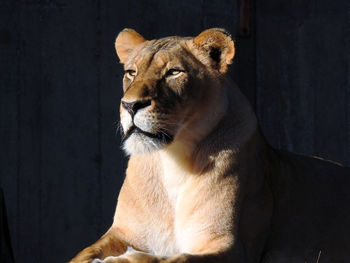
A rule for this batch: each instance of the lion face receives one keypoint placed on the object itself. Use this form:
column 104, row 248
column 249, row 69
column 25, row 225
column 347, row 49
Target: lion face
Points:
column 167, row 83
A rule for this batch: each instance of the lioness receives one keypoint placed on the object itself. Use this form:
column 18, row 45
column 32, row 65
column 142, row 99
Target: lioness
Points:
column 202, row 185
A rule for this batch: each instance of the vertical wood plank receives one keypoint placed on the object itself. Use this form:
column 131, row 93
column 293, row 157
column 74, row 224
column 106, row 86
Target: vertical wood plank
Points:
column 244, row 65
column 70, row 119
column 347, row 52
column 9, row 115
column 30, row 119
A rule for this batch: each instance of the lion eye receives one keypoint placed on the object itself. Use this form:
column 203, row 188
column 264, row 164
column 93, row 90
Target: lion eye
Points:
column 173, row 72
column 130, row 73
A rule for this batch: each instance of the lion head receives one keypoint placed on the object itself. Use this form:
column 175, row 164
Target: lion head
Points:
column 172, row 87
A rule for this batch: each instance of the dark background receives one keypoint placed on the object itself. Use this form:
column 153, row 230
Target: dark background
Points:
column 61, row 166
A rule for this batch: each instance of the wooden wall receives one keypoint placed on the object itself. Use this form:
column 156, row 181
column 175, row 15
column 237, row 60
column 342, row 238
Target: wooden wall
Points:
column 60, row 85
column 302, row 77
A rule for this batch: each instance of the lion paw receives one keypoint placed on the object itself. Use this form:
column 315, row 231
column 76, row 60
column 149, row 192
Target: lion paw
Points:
column 111, row 259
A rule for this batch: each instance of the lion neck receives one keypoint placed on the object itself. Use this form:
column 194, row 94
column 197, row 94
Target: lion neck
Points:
column 228, row 110
column 211, row 142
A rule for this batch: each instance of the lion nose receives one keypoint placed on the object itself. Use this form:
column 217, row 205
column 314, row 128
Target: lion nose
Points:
column 133, row 106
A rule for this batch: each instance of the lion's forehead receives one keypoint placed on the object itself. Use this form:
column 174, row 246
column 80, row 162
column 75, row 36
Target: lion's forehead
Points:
column 156, row 55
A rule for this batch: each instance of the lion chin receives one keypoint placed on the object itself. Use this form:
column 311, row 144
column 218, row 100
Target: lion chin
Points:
column 138, row 143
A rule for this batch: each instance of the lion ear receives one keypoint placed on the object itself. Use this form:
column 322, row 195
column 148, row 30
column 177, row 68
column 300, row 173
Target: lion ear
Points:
column 126, row 41
column 217, row 46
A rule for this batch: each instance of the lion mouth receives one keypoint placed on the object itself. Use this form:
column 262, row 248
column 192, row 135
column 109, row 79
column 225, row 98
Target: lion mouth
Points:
column 165, row 137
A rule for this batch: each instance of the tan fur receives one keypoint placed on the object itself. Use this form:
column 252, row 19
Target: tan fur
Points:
column 201, row 184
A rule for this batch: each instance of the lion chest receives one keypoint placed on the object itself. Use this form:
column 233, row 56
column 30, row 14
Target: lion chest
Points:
column 149, row 226
column 167, row 224
column 164, row 235
column 173, row 178
column 159, row 237
column 161, row 231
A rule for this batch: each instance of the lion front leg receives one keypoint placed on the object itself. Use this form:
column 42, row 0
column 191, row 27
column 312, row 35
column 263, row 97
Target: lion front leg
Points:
column 108, row 245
